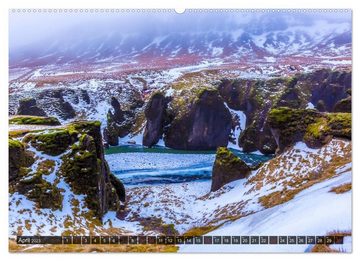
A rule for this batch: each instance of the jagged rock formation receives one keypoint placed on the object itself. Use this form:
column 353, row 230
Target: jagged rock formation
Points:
column 155, row 113
column 120, row 122
column 327, row 90
column 327, row 87
column 314, row 128
column 70, row 155
column 227, row 167
column 59, row 106
column 204, row 124
column 29, row 107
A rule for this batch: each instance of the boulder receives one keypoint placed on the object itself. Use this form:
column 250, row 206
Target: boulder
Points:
column 227, row 168
column 54, row 99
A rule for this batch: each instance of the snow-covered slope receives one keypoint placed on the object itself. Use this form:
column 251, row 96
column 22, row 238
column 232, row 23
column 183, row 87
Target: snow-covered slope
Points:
column 313, row 212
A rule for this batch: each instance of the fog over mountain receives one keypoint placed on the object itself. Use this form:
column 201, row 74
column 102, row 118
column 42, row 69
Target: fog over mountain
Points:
column 57, row 38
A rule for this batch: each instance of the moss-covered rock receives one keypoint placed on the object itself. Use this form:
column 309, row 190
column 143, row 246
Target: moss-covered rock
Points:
column 45, row 194
column 82, row 166
column 227, row 167
column 52, row 142
column 118, row 186
column 327, row 87
column 313, row 127
column 289, row 125
column 34, row 120
column 323, row 88
column 19, row 159
column 87, row 172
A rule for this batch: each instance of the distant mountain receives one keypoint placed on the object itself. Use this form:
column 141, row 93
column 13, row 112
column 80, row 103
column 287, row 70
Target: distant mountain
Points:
column 231, row 36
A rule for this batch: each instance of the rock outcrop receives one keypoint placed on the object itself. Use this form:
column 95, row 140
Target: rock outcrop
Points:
column 204, row 124
column 34, row 120
column 19, row 159
column 227, row 168
column 314, row 128
column 54, row 99
column 72, row 154
column 327, row 90
column 155, row 113
column 29, row 107
column 327, row 87
column 119, row 123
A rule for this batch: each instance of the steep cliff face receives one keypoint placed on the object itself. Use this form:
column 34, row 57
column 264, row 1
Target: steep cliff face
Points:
column 255, row 98
column 49, row 164
column 326, row 90
column 156, row 117
column 327, row 87
column 204, row 124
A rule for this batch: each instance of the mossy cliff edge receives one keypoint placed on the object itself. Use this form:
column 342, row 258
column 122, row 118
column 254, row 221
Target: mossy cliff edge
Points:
column 313, row 127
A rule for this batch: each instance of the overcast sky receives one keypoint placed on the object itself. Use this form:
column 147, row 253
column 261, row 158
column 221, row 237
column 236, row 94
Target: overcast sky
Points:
column 26, row 28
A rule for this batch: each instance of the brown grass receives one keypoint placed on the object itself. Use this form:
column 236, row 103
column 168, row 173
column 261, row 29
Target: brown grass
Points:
column 199, row 231
column 297, row 184
column 342, row 188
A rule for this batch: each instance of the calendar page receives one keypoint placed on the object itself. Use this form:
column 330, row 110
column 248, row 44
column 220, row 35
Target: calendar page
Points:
column 205, row 130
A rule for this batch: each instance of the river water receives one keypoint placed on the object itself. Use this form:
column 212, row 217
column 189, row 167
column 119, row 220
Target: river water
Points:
column 137, row 165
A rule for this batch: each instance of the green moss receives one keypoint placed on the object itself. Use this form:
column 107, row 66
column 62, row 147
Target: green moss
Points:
column 34, row 120
column 45, row 194
column 342, row 118
column 225, row 157
column 288, row 116
column 336, row 124
column 13, row 144
column 340, row 124
column 53, row 142
column 291, row 81
column 200, row 91
column 314, row 127
column 317, row 129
